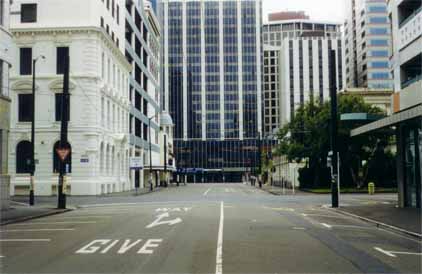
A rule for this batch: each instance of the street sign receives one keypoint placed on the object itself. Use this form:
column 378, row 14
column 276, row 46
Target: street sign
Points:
column 136, row 163
column 63, row 153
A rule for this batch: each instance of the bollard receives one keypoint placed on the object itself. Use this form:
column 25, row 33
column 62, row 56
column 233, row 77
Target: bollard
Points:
column 371, row 188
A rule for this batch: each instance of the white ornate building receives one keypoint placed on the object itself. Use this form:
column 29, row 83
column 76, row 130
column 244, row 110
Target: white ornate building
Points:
column 99, row 87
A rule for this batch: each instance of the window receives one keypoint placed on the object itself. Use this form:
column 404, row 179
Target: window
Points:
column 62, row 52
column 2, row 87
column 102, row 22
column 23, row 157
column 28, row 13
column 57, row 161
column 2, row 12
column 118, row 14
column 59, row 103
column 379, row 42
column 25, row 61
column 380, row 75
column 25, row 107
column 378, row 31
column 112, row 8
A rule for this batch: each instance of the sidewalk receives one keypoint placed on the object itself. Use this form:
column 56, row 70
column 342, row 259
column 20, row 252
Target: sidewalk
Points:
column 19, row 212
column 276, row 190
column 407, row 219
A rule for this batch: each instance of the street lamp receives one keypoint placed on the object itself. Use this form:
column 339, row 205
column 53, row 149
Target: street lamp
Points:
column 150, row 152
column 32, row 179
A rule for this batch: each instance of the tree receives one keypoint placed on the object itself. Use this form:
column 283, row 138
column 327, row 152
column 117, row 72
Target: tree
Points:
column 307, row 137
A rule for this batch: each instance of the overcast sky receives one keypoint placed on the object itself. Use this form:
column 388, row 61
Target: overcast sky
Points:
column 328, row 10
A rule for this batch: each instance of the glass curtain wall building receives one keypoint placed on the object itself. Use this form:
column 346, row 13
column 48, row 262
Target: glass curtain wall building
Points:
column 212, row 85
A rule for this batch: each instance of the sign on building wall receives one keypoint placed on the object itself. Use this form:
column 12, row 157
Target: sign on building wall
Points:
column 136, row 163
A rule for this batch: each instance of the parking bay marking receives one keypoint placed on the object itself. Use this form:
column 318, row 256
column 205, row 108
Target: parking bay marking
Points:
column 392, row 253
column 96, row 245
column 158, row 221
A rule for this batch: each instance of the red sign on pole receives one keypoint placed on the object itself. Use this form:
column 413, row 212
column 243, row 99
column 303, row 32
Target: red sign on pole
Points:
column 63, row 153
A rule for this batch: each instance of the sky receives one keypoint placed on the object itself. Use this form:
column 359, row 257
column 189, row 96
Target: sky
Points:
column 327, row 10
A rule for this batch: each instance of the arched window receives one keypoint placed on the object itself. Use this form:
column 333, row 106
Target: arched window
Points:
column 57, row 161
column 23, row 157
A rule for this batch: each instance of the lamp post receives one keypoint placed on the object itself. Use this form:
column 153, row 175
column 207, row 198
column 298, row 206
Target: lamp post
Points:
column 150, row 152
column 32, row 179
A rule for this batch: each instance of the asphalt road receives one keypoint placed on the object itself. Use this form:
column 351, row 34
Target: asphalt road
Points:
column 211, row 228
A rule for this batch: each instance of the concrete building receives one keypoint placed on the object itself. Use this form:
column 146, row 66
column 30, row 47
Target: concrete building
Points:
column 275, row 31
column 287, row 15
column 296, row 66
column 6, row 48
column 212, row 77
column 367, row 43
column 406, row 66
column 93, row 34
column 143, row 52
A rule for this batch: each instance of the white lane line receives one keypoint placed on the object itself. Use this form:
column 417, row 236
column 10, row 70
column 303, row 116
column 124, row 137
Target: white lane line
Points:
column 219, row 257
column 206, row 192
column 327, row 226
column 1, row 256
column 325, row 216
column 54, row 223
column 35, row 230
column 385, row 252
column 25, row 240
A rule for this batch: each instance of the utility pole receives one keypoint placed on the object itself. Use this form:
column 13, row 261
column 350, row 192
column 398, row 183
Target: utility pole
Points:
column 333, row 137
column 150, row 153
column 32, row 173
column 64, row 146
column 165, row 160
column 32, row 179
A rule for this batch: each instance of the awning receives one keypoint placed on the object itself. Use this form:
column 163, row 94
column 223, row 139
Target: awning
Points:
column 389, row 121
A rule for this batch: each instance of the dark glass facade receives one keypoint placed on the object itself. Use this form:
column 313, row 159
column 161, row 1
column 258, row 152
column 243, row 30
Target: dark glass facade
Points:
column 213, row 86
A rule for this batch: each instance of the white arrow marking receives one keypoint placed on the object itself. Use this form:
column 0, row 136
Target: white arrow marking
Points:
column 327, row 226
column 158, row 221
column 385, row 252
column 391, row 253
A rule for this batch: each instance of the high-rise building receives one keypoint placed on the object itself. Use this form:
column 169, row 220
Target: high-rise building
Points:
column 6, row 47
column 143, row 52
column 92, row 33
column 296, row 67
column 287, row 15
column 367, row 43
column 406, row 120
column 212, row 79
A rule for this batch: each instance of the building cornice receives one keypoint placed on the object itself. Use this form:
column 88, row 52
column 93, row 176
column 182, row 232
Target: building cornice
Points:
column 17, row 32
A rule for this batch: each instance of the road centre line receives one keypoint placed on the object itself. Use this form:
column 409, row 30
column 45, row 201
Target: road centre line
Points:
column 82, row 217
column 53, row 223
column 34, row 230
column 206, row 192
column 25, row 240
column 219, row 256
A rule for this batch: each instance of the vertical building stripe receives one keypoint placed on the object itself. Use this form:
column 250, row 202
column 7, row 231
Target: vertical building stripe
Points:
column 258, row 65
column 240, row 66
column 203, row 73
column 221, row 41
column 185, row 73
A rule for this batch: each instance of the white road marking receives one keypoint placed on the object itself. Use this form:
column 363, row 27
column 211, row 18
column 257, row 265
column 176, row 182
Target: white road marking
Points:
column 158, row 221
column 299, row 228
column 206, row 192
column 280, row 208
column 83, row 217
column 150, row 243
column 105, row 250
column 325, row 216
column 219, row 257
column 54, row 223
column 385, row 252
column 327, row 226
column 176, row 209
column 41, row 229
column 107, row 244
column 126, row 246
column 1, row 256
column 25, row 240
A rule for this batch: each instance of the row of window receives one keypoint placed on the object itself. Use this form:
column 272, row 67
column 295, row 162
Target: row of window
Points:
column 25, row 109
column 26, row 60
column 115, row 9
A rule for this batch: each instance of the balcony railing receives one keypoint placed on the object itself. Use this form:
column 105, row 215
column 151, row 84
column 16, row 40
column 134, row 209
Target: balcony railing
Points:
column 410, row 17
column 411, row 81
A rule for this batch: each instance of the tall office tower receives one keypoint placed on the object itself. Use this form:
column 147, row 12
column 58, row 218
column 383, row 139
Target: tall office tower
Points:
column 367, row 42
column 212, row 77
column 296, row 66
